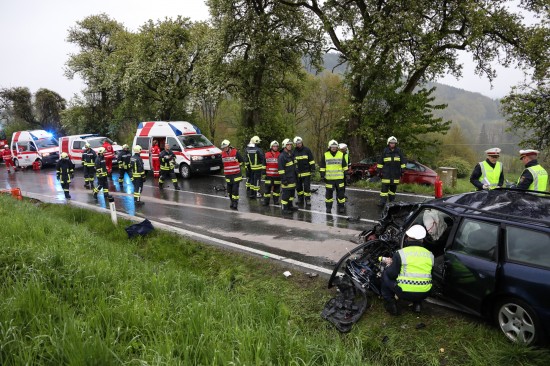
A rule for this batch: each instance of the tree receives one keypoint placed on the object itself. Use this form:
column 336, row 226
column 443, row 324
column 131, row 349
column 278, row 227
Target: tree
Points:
column 49, row 106
column 17, row 102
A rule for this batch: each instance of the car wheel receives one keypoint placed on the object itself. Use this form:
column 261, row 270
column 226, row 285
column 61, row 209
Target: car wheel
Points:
column 39, row 164
column 518, row 321
column 16, row 163
column 185, row 171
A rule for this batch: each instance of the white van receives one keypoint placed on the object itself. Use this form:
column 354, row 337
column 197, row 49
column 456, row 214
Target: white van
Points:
column 194, row 152
column 36, row 145
column 74, row 146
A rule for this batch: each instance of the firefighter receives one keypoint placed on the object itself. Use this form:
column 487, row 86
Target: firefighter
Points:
column 305, row 167
column 123, row 158
column 332, row 167
column 408, row 273
column 109, row 155
column 155, row 161
column 88, row 162
column 255, row 159
column 347, row 179
column 287, row 172
column 101, row 173
column 488, row 174
column 6, row 156
column 232, row 169
column 65, row 171
column 135, row 166
column 272, row 178
column 391, row 164
column 167, row 159
column 534, row 177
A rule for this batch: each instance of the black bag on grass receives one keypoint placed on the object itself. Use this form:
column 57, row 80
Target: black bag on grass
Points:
column 143, row 228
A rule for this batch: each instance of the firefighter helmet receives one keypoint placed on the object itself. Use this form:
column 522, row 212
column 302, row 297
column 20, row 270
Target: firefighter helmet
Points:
column 332, row 143
column 273, row 143
column 87, row 145
column 297, row 140
column 342, row 146
column 255, row 140
column 6, row 146
column 392, row 139
column 125, row 146
column 137, row 148
column 101, row 150
column 287, row 142
column 64, row 155
column 225, row 143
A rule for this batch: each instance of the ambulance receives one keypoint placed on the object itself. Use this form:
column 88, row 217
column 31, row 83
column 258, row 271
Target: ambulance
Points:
column 194, row 152
column 28, row 147
column 74, row 146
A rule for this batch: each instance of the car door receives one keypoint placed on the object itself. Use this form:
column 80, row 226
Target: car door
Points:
column 470, row 264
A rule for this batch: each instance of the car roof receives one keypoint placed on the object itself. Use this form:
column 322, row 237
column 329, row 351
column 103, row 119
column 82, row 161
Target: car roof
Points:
column 509, row 204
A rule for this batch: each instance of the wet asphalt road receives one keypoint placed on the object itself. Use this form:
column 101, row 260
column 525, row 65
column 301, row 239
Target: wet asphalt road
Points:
column 308, row 235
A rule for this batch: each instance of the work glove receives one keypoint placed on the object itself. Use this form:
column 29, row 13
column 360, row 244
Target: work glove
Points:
column 485, row 186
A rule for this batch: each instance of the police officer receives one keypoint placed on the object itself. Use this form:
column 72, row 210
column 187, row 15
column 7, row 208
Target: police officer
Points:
column 488, row 174
column 272, row 177
column 304, row 167
column 256, row 163
column 534, row 177
column 408, row 273
column 123, row 158
column 135, row 166
column 232, row 164
column 332, row 167
column 65, row 171
column 88, row 161
column 391, row 164
column 287, row 172
column 101, row 173
column 167, row 159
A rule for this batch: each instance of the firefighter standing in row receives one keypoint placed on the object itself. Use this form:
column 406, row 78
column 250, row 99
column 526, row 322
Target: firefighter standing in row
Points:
column 88, row 161
column 167, row 159
column 347, row 179
column 6, row 156
column 287, row 172
column 155, row 159
column 109, row 155
column 534, row 177
column 391, row 165
column 332, row 168
column 65, row 171
column 488, row 174
column 272, row 177
column 255, row 161
column 232, row 169
column 123, row 158
column 305, row 167
column 101, row 173
column 135, row 166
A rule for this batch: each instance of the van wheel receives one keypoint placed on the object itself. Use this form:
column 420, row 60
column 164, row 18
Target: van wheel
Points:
column 39, row 163
column 185, row 171
column 518, row 321
column 16, row 163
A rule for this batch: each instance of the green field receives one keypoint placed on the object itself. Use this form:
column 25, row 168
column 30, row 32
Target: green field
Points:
column 76, row 291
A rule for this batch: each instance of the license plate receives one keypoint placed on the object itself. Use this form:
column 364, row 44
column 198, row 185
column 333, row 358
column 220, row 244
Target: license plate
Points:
column 214, row 167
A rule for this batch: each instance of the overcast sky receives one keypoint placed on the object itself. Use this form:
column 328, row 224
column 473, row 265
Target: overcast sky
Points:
column 33, row 50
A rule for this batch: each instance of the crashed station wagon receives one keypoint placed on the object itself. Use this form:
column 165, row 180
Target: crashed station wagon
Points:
column 492, row 259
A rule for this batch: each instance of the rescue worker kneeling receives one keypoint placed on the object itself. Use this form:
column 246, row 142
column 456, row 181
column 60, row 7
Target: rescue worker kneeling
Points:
column 332, row 167
column 65, row 171
column 408, row 274
column 138, row 173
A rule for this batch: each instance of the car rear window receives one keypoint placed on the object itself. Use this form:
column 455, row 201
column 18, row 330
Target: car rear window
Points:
column 528, row 246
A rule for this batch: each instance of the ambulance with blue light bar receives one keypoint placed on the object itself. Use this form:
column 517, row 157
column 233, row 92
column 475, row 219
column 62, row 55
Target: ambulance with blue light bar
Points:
column 194, row 152
column 36, row 146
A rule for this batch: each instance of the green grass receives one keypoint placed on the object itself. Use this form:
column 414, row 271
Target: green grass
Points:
column 74, row 290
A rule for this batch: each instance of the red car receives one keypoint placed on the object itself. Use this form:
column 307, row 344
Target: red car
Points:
column 415, row 172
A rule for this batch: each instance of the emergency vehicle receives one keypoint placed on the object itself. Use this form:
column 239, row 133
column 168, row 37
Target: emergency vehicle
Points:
column 28, row 147
column 194, row 152
column 74, row 146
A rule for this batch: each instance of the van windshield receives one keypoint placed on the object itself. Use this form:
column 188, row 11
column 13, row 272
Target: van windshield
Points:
column 192, row 141
column 46, row 142
column 98, row 142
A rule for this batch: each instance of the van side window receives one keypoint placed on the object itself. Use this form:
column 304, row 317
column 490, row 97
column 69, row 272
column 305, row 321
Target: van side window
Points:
column 528, row 246
column 477, row 238
column 174, row 145
column 77, row 145
column 143, row 142
column 31, row 147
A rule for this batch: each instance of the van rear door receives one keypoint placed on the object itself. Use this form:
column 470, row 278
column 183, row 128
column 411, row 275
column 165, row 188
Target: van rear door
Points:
column 145, row 143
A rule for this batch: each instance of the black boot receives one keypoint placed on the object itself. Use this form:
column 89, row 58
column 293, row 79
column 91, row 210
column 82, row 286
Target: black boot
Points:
column 417, row 307
column 276, row 201
column 391, row 307
column 308, row 201
column 67, row 195
column 286, row 209
column 382, row 202
column 265, row 201
column 176, row 187
column 328, row 208
column 161, row 185
column 341, row 209
column 392, row 197
column 86, row 185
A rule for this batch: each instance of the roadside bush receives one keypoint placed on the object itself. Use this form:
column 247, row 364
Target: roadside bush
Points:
column 463, row 167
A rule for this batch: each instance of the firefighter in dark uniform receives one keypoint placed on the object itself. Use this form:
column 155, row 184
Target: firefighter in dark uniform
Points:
column 304, row 168
column 534, row 177
column 135, row 167
column 391, row 165
column 232, row 169
column 101, row 173
column 255, row 161
column 123, row 158
column 88, row 162
column 65, row 171
column 332, row 168
column 488, row 174
column 287, row 172
column 272, row 177
column 167, row 159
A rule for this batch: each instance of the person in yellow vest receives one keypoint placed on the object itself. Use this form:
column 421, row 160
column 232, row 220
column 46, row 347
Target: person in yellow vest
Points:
column 488, row 174
column 408, row 274
column 332, row 167
column 534, row 177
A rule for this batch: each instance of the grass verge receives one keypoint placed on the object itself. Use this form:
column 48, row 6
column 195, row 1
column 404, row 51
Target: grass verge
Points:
column 75, row 290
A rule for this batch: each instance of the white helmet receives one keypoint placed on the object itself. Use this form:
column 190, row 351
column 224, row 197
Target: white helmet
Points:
column 87, row 145
column 137, row 148
column 101, row 150
column 273, row 143
column 287, row 142
column 64, row 155
column 297, row 140
column 417, row 232
column 6, row 146
column 255, row 140
column 332, row 143
column 392, row 139
column 225, row 143
column 125, row 146
column 342, row 146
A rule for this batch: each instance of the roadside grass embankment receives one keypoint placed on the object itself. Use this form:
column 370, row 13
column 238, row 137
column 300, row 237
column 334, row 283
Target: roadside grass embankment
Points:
column 74, row 290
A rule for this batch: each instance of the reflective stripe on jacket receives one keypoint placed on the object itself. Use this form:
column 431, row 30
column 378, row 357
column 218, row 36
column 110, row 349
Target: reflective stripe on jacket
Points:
column 540, row 178
column 416, row 269
column 167, row 160
column 305, row 161
column 255, row 157
column 272, row 163
column 231, row 164
column 490, row 175
column 136, row 164
column 333, row 166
